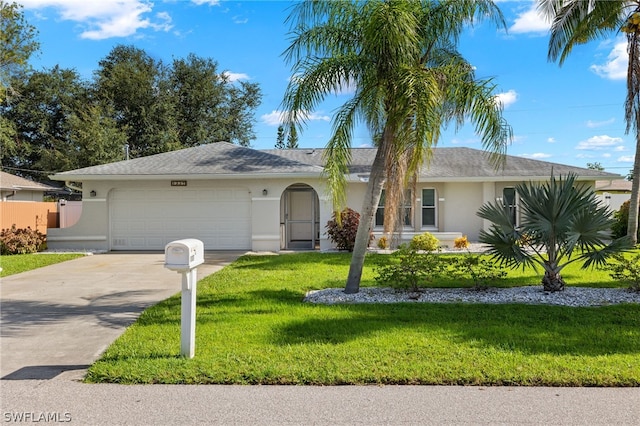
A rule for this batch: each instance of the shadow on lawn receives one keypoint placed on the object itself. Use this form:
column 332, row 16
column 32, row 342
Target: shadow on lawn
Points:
column 289, row 261
column 524, row 328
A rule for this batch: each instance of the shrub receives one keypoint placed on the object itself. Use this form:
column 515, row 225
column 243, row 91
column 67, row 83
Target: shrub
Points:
column 343, row 234
column 461, row 242
column 409, row 269
column 481, row 271
column 21, row 241
column 626, row 270
column 383, row 243
column 621, row 217
column 425, row 242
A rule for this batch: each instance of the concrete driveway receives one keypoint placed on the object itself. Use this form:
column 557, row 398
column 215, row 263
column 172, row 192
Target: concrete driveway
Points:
column 62, row 317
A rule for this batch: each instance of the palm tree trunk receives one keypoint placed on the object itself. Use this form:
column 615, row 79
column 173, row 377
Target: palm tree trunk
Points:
column 634, row 204
column 552, row 282
column 369, row 206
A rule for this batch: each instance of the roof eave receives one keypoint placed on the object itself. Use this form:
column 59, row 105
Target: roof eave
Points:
column 121, row 177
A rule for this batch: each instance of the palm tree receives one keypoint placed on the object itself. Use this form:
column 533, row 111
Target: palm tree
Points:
column 409, row 81
column 577, row 22
column 560, row 223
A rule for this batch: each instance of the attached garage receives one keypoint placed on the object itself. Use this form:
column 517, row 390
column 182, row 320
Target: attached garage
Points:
column 148, row 219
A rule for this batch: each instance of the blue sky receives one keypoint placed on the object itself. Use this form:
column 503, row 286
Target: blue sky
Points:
column 571, row 114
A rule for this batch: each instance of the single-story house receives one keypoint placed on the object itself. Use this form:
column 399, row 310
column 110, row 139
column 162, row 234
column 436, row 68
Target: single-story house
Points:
column 232, row 197
column 16, row 188
column 614, row 193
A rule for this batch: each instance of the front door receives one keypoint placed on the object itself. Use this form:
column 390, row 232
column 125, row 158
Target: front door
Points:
column 301, row 218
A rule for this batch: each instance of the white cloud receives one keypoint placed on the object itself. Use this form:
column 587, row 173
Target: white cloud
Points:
column 530, row 22
column 209, row 2
column 507, row 98
column 106, row 18
column 235, row 76
column 317, row 117
column 275, row 118
column 551, row 140
column 536, row 156
column 620, row 148
column 625, row 159
column 599, row 142
column 593, row 124
column 616, row 66
column 240, row 20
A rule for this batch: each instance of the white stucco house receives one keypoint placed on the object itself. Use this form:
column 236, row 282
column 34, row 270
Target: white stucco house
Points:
column 237, row 198
column 614, row 193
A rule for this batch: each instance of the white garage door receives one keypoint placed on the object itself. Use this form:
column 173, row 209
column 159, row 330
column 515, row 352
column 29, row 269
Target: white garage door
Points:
column 149, row 219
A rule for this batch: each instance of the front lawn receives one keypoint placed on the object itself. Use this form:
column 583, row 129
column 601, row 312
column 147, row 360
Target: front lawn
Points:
column 253, row 328
column 14, row 264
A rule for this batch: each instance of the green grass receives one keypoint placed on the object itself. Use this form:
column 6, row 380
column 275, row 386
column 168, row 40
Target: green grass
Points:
column 253, row 328
column 17, row 263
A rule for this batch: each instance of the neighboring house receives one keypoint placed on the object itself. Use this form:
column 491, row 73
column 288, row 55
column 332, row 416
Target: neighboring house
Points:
column 232, row 197
column 614, row 193
column 15, row 188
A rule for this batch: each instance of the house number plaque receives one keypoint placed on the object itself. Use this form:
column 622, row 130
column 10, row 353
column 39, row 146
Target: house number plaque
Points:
column 178, row 183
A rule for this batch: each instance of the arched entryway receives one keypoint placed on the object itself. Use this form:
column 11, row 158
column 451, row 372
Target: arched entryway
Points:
column 299, row 218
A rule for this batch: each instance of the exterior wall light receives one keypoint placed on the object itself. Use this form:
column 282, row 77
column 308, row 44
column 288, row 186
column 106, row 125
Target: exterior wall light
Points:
column 265, row 192
column 93, row 193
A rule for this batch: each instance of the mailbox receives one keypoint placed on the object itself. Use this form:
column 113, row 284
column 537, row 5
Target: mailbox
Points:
column 183, row 255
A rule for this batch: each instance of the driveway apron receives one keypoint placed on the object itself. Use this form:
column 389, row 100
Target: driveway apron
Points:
column 62, row 317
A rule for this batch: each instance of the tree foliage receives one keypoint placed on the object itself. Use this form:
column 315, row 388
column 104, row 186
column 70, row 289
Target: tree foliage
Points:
column 561, row 222
column 575, row 22
column 58, row 121
column 409, row 80
column 58, row 125
column 17, row 44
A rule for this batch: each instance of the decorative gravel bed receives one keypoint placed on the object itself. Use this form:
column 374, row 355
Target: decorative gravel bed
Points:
column 535, row 295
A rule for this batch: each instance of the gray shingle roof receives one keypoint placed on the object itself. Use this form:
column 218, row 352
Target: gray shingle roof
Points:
column 13, row 182
column 225, row 159
column 457, row 163
column 219, row 158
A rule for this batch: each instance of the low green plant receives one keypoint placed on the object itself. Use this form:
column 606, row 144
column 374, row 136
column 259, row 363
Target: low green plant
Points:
column 21, row 241
column 626, row 269
column 425, row 242
column 478, row 268
column 410, row 269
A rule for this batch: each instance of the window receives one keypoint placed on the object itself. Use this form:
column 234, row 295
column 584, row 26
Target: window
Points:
column 509, row 202
column 428, row 207
column 379, row 221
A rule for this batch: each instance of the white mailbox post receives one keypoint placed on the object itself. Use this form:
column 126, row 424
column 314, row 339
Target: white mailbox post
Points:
column 184, row 256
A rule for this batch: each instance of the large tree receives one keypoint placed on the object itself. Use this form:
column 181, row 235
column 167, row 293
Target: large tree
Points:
column 576, row 22
column 210, row 107
column 136, row 86
column 409, row 80
column 17, row 44
column 58, row 125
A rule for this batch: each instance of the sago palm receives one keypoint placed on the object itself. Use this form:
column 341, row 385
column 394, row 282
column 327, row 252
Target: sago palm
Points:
column 561, row 222
column 408, row 81
column 577, row 22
